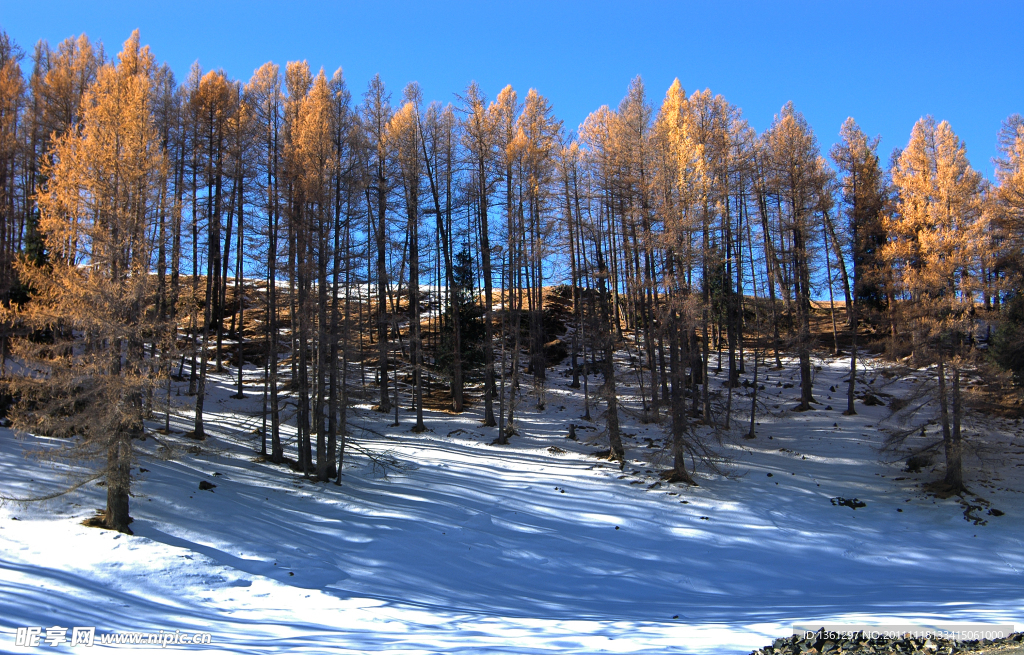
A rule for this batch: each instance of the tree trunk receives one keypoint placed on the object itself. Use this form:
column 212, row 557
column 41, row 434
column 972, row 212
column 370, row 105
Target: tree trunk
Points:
column 118, row 479
column 954, row 450
column 382, row 298
column 676, row 360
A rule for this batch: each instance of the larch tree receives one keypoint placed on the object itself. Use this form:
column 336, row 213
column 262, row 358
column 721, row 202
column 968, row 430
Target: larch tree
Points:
column 404, row 132
column 59, row 80
column 212, row 105
column 538, row 134
column 264, row 97
column 1007, row 274
column 680, row 178
column 503, row 113
column 595, row 134
column 796, row 176
column 439, row 144
column 479, row 138
column 1010, row 192
column 864, row 193
column 12, row 91
column 376, row 114
column 631, row 135
column 936, row 240
column 94, row 296
column 301, row 228
column 313, row 162
column 347, row 190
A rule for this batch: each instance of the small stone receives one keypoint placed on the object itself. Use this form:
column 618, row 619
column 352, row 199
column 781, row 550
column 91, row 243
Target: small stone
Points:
column 206, row 486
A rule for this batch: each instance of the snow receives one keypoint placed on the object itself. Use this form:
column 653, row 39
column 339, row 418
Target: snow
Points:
column 473, row 548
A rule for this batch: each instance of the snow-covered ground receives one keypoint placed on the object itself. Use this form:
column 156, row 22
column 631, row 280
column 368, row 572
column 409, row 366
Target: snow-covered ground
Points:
column 473, row 548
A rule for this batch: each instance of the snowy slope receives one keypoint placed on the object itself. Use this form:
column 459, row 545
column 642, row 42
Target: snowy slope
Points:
column 488, row 549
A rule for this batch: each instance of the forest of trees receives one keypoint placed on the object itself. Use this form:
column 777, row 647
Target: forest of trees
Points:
column 370, row 246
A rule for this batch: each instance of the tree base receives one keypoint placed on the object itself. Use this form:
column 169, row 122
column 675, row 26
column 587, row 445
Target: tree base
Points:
column 943, row 489
column 100, row 521
column 675, row 475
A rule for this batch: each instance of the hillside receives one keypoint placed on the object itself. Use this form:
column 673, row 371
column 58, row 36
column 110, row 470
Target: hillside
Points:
column 460, row 546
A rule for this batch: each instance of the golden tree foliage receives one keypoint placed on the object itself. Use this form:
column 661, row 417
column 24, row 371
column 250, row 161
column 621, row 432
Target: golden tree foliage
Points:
column 538, row 140
column 502, row 113
column 312, row 141
column 937, row 236
column 937, row 244
column 87, row 376
column 11, row 89
column 61, row 81
column 12, row 99
column 1010, row 176
column 681, row 173
column 700, row 140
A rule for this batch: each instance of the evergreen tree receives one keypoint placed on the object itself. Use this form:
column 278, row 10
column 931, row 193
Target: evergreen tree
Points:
column 469, row 314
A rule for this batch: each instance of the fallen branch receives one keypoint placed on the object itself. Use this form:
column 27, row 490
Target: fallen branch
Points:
column 5, row 499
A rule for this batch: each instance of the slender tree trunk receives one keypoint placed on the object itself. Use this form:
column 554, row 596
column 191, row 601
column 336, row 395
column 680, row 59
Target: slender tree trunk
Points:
column 954, row 451
column 607, row 336
column 843, row 271
column 198, row 431
column 850, row 411
column 382, row 284
column 239, row 291
column 803, row 306
column 831, row 295
column 485, row 256
column 415, row 337
column 325, row 338
column 679, row 426
column 276, row 451
column 769, row 259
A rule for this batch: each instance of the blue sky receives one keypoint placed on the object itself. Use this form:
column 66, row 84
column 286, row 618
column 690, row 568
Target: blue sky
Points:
column 884, row 63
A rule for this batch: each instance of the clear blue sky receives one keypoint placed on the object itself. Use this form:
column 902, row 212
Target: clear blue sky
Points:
column 884, row 63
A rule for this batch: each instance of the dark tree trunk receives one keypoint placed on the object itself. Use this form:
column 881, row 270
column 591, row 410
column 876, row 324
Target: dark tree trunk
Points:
column 118, row 479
